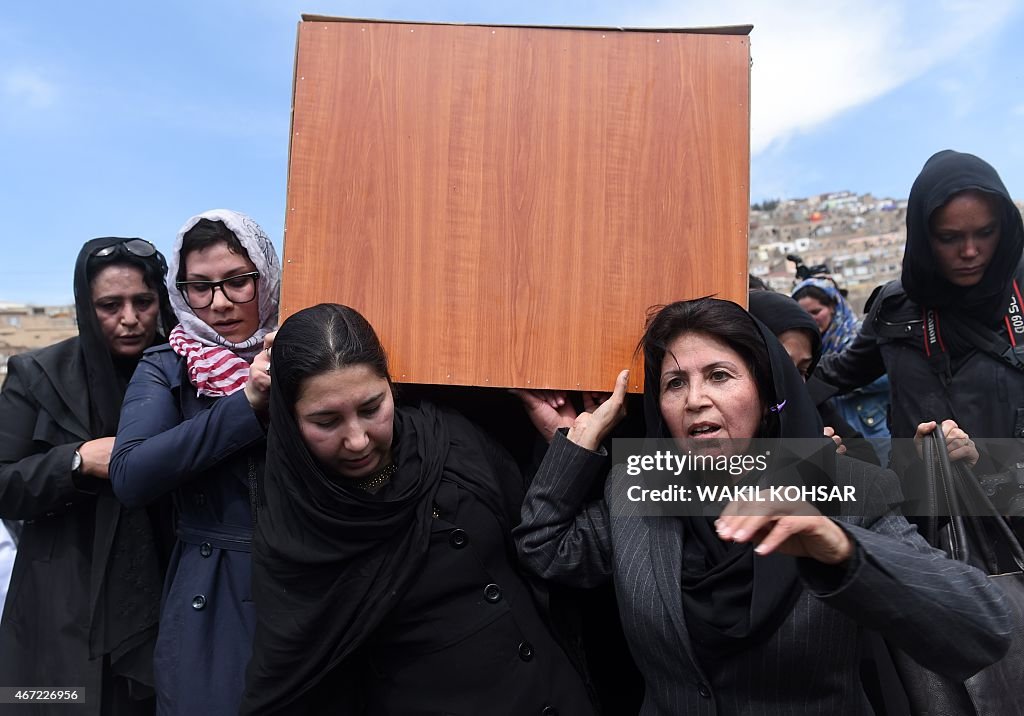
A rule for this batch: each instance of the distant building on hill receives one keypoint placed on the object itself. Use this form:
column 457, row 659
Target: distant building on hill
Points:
column 25, row 327
column 859, row 237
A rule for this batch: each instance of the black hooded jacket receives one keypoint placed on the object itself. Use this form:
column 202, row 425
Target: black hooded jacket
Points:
column 982, row 393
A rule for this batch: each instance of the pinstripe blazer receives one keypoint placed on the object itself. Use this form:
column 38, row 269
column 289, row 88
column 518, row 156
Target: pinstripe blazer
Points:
column 945, row 614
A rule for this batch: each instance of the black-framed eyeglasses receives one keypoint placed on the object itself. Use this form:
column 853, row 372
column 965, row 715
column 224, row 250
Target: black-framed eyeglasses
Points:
column 135, row 247
column 237, row 289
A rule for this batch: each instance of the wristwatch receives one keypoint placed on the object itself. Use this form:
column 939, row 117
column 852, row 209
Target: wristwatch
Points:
column 76, row 464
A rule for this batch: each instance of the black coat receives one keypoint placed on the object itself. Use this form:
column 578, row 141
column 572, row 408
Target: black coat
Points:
column 44, row 635
column 465, row 633
column 985, row 396
column 466, row 638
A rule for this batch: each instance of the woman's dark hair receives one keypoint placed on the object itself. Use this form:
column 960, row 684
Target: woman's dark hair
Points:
column 320, row 339
column 818, row 294
column 720, row 319
column 204, row 234
column 756, row 283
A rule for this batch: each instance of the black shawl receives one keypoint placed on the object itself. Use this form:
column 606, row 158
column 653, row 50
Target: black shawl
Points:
column 126, row 578
column 945, row 174
column 781, row 313
column 108, row 378
column 733, row 599
column 331, row 561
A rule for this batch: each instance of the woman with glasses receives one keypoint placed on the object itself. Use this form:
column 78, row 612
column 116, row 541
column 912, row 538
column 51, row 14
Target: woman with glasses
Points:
column 192, row 426
column 84, row 595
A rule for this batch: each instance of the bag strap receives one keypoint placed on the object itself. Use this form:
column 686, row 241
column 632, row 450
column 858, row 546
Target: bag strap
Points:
column 974, row 521
column 929, row 520
column 996, row 528
column 934, row 349
column 935, row 454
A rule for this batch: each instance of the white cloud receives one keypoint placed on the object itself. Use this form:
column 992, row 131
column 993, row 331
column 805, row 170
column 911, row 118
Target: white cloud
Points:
column 813, row 60
column 28, row 89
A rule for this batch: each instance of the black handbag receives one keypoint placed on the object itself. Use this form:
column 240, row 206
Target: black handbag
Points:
column 977, row 535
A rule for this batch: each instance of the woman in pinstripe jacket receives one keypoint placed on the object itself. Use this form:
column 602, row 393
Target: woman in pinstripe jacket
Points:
column 760, row 611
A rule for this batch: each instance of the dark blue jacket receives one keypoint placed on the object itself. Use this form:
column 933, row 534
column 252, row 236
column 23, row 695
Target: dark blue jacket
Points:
column 208, row 452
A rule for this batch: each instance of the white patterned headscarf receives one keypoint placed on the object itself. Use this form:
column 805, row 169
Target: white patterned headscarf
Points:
column 261, row 252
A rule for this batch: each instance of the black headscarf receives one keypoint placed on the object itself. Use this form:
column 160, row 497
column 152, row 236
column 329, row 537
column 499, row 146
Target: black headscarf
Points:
column 781, row 313
column 126, row 577
column 331, row 561
column 733, row 599
column 944, row 175
column 109, row 376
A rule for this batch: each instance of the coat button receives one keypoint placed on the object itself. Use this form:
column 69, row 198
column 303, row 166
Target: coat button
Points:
column 549, row 711
column 526, row 651
column 704, row 691
column 198, row 602
column 492, row 593
column 205, row 549
column 458, row 538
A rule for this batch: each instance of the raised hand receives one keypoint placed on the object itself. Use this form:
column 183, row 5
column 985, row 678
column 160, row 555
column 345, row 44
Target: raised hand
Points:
column 257, row 390
column 548, row 410
column 591, row 427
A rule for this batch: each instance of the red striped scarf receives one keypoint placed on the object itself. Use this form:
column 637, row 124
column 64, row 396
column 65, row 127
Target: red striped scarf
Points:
column 214, row 371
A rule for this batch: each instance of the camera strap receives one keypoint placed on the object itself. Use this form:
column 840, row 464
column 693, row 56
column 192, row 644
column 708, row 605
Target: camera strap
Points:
column 1009, row 350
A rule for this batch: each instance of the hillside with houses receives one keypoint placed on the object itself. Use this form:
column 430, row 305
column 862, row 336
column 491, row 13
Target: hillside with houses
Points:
column 859, row 237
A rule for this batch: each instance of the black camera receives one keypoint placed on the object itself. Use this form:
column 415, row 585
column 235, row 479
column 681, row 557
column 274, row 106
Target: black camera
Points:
column 1006, row 491
column 803, row 271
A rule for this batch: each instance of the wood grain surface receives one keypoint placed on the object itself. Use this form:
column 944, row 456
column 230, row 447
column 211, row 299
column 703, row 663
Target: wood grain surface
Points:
column 504, row 204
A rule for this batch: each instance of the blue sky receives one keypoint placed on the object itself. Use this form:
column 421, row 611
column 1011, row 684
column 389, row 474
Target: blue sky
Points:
column 126, row 118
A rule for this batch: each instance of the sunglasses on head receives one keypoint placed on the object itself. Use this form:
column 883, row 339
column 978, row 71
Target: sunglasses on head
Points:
column 135, row 247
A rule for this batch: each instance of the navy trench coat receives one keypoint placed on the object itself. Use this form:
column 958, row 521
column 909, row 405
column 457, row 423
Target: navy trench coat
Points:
column 208, row 452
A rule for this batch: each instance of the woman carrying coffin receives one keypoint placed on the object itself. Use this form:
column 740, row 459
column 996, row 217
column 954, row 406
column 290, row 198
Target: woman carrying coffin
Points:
column 385, row 576
column 762, row 610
